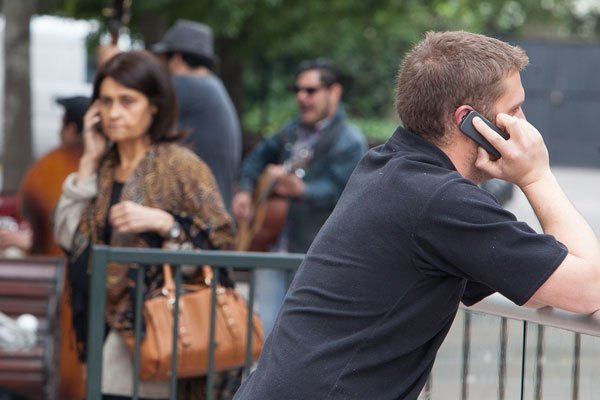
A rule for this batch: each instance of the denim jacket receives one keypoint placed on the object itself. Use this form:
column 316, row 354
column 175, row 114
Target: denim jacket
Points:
column 335, row 154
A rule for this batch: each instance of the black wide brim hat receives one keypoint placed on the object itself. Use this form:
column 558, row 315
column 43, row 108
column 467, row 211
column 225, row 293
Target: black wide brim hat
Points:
column 75, row 108
column 187, row 37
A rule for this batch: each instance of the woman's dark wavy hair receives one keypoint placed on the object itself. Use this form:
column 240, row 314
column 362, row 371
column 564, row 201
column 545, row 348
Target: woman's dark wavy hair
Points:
column 140, row 70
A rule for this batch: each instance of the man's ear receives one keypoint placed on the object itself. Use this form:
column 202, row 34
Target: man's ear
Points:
column 460, row 113
column 175, row 63
column 70, row 133
column 337, row 90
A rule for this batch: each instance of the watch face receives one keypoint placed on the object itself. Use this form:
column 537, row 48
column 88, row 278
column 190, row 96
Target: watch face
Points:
column 174, row 231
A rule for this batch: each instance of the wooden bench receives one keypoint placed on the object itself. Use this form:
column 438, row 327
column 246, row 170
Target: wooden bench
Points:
column 32, row 285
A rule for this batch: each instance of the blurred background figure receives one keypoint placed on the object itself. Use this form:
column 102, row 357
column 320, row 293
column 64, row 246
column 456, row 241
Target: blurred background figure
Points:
column 42, row 184
column 39, row 193
column 206, row 111
column 306, row 163
column 30, row 230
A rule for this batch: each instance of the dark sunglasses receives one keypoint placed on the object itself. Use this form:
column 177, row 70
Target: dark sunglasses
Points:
column 310, row 90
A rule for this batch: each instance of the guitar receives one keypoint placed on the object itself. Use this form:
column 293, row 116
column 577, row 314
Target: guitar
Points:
column 268, row 210
column 118, row 17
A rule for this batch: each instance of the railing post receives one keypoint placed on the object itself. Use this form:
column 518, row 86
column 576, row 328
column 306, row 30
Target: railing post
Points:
column 95, row 343
column 523, row 360
column 502, row 361
column 249, row 324
column 464, row 390
column 137, row 328
column 210, row 376
column 539, row 363
column 576, row 361
column 175, row 334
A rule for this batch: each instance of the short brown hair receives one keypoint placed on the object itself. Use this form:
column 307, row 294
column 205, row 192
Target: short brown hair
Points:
column 448, row 69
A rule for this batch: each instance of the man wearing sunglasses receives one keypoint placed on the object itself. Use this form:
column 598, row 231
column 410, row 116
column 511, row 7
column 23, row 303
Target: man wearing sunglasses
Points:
column 307, row 162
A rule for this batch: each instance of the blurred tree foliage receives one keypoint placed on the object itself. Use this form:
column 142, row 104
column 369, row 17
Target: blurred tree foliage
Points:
column 259, row 42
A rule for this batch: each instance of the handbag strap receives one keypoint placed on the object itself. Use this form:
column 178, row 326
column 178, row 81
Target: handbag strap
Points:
column 208, row 275
column 169, row 284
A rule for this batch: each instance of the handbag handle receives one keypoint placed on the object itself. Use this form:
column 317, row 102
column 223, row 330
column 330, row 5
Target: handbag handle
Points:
column 169, row 284
column 208, row 275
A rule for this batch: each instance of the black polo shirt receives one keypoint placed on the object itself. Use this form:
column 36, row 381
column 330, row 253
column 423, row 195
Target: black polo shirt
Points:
column 381, row 284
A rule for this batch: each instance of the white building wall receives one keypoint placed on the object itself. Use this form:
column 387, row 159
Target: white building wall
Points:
column 58, row 68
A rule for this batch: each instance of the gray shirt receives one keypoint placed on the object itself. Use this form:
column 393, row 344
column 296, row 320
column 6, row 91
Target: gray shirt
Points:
column 207, row 113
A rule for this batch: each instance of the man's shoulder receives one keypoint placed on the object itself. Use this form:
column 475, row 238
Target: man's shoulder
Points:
column 192, row 83
column 64, row 156
column 49, row 171
column 288, row 130
column 74, row 150
column 353, row 132
column 415, row 176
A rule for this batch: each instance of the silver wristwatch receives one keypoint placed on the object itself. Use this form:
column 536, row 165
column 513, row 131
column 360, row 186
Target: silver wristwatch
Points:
column 174, row 231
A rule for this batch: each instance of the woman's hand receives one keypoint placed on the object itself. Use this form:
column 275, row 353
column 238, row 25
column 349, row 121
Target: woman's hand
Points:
column 130, row 217
column 94, row 140
column 242, row 206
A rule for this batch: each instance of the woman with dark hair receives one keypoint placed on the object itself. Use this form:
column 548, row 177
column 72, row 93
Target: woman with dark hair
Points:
column 134, row 188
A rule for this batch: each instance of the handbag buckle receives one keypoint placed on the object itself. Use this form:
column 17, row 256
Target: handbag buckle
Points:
column 170, row 302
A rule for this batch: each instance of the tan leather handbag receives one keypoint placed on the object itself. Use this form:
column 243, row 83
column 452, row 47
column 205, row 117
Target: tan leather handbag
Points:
column 194, row 330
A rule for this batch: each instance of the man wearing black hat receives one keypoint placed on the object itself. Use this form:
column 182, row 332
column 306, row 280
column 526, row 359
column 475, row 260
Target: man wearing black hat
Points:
column 205, row 109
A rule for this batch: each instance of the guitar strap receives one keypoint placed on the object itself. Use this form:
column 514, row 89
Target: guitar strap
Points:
column 306, row 141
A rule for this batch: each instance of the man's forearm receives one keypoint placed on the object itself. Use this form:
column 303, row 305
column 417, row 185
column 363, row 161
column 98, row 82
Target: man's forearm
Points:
column 558, row 217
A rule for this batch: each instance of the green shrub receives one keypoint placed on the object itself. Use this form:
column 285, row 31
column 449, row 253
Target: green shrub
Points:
column 377, row 130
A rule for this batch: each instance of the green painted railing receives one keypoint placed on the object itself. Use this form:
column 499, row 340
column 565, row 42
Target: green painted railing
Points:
column 495, row 350
column 101, row 255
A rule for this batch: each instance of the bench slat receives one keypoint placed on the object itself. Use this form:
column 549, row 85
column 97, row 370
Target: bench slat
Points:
column 28, row 272
column 22, row 365
column 23, row 306
column 26, row 289
column 36, row 351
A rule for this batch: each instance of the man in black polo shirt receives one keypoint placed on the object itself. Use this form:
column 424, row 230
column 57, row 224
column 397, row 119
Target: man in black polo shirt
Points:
column 413, row 235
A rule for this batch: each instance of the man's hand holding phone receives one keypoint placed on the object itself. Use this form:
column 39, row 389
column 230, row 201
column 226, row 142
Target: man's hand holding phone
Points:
column 524, row 158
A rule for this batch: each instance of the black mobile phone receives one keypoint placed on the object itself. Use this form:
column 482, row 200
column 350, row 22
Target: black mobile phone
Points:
column 98, row 126
column 466, row 127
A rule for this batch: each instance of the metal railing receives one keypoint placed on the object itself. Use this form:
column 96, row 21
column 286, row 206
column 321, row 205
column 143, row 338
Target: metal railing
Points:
column 518, row 353
column 520, row 335
column 102, row 255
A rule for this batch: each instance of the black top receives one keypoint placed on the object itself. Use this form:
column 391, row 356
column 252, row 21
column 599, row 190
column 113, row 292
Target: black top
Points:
column 381, row 284
column 115, row 196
